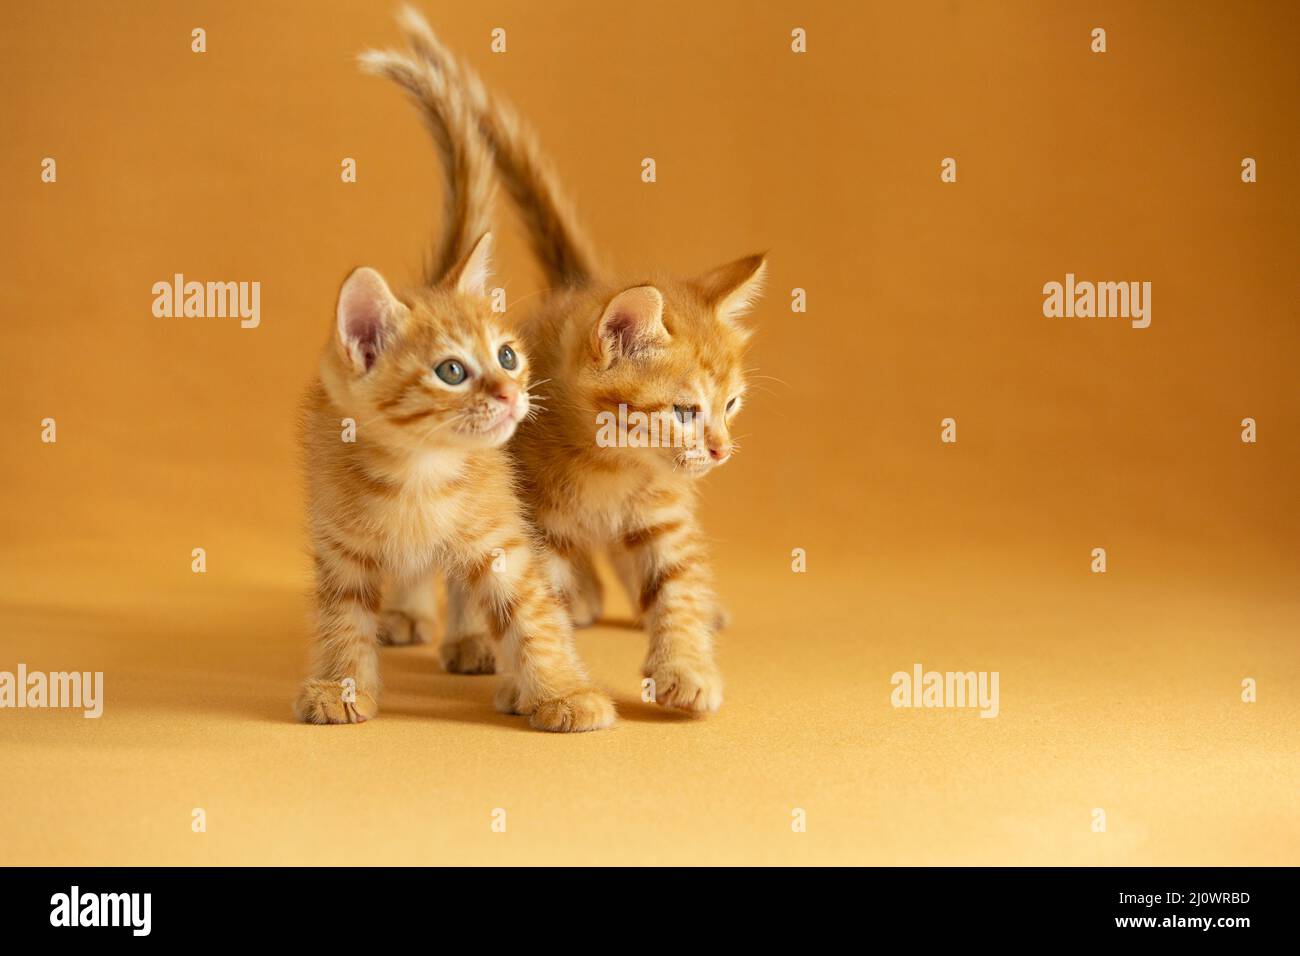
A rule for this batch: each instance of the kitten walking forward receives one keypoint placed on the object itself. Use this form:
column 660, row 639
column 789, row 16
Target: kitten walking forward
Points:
column 668, row 347
column 435, row 386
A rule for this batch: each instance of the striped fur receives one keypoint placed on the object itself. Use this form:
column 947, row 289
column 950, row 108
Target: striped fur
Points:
column 469, row 183
column 650, row 345
column 561, row 247
column 426, row 484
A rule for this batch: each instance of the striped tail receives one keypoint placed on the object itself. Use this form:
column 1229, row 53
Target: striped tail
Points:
column 466, row 159
column 558, row 242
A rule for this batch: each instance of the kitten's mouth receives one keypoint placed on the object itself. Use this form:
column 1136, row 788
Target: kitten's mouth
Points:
column 498, row 428
column 694, row 464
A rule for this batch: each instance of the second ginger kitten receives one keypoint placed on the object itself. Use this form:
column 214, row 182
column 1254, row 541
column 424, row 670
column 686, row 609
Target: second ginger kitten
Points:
column 664, row 346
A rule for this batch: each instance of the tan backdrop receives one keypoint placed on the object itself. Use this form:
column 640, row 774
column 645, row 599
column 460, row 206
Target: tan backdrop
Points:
column 1119, row 691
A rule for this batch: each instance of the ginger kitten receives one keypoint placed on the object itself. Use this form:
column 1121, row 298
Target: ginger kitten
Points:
column 435, row 386
column 668, row 346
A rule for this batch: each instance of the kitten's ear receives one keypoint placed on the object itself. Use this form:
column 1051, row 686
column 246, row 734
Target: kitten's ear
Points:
column 633, row 321
column 470, row 275
column 368, row 317
column 733, row 289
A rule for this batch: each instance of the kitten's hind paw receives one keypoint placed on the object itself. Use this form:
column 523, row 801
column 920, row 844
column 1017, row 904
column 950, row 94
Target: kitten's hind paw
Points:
column 469, row 655
column 334, row 702
column 401, row 630
column 507, row 699
column 585, row 607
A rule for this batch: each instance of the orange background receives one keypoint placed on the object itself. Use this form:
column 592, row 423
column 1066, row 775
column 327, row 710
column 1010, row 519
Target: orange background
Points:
column 1118, row 691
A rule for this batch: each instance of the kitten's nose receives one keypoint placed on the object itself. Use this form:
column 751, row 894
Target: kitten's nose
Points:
column 719, row 452
column 505, row 391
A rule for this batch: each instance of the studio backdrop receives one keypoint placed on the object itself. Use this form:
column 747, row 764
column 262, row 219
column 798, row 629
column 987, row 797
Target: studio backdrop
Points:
column 1022, row 406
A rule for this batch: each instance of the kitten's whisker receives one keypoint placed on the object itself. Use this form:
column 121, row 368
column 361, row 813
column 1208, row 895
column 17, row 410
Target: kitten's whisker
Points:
column 754, row 373
column 525, row 298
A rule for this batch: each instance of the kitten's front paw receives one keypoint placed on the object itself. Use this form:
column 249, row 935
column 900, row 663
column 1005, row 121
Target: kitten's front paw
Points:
column 333, row 702
column 575, row 713
column 582, row 710
column 400, row 630
column 687, row 685
column 469, row 655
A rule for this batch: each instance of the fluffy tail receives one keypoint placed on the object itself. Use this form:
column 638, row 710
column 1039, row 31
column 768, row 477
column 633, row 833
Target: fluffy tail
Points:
column 559, row 244
column 466, row 160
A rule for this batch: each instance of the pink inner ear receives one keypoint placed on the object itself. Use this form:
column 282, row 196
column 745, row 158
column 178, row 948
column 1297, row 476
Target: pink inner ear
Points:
column 621, row 326
column 631, row 322
column 363, row 324
column 366, row 332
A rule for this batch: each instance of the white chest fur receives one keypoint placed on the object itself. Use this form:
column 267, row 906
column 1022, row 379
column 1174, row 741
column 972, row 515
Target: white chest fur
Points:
column 424, row 513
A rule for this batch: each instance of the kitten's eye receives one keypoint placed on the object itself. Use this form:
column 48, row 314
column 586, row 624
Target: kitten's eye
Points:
column 732, row 404
column 508, row 359
column 451, row 372
column 685, row 413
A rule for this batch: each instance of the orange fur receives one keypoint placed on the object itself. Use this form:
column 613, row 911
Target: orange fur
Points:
column 650, row 346
column 426, row 483
column 560, row 246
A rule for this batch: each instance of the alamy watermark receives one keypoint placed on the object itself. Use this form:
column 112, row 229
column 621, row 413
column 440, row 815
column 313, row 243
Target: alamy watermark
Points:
column 75, row 689
column 922, row 688
column 1101, row 300
column 632, row 428
column 212, row 300
column 75, row 908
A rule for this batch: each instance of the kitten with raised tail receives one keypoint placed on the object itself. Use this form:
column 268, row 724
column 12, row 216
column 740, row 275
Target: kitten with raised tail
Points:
column 665, row 346
column 434, row 386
